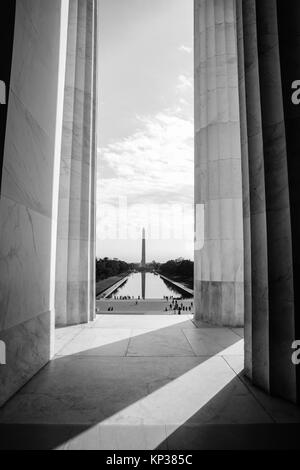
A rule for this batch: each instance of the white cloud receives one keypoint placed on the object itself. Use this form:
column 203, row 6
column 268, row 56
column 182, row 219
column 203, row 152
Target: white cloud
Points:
column 157, row 159
column 185, row 83
column 186, row 49
column 152, row 166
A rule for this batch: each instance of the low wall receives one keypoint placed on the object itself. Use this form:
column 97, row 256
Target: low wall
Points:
column 110, row 287
column 177, row 284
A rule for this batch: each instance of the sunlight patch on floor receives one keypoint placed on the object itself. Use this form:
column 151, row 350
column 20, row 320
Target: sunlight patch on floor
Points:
column 149, row 421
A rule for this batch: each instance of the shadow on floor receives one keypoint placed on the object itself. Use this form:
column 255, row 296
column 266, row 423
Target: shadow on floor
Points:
column 235, row 437
column 117, row 396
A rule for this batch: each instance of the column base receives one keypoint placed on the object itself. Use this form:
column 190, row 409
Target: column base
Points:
column 220, row 303
column 28, row 349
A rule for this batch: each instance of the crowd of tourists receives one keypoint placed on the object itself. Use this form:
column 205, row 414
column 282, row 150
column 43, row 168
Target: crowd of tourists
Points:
column 177, row 308
column 176, row 305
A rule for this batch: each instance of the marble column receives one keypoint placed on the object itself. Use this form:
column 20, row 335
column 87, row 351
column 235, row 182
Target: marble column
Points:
column 93, row 196
column 268, row 31
column 75, row 278
column 29, row 196
column 219, row 285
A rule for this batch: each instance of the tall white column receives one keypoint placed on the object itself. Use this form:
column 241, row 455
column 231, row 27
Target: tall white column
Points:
column 29, row 190
column 269, row 61
column 218, row 179
column 75, row 251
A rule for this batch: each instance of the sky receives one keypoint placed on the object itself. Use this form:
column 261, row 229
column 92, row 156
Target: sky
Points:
column 145, row 137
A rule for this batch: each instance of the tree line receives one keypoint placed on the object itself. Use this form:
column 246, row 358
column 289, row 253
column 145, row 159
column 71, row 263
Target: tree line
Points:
column 110, row 267
column 179, row 268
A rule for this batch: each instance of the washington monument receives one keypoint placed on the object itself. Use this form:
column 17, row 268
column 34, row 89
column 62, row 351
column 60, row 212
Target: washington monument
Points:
column 143, row 263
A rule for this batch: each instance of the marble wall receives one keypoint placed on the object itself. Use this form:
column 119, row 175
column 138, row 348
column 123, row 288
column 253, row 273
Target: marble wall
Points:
column 29, row 190
column 75, row 269
column 219, row 297
column 268, row 32
column 7, row 24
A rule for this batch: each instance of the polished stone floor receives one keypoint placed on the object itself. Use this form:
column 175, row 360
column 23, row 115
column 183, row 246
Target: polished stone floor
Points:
column 146, row 382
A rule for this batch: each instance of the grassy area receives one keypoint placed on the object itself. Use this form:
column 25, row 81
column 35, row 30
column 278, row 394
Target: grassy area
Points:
column 101, row 286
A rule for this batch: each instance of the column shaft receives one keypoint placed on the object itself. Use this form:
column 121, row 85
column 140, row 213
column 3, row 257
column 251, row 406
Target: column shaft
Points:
column 218, row 179
column 75, row 252
column 246, row 194
column 270, row 317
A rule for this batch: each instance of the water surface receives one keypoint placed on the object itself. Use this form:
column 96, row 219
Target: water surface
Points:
column 148, row 286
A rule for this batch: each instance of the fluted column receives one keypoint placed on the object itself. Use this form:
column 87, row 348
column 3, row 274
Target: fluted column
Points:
column 218, row 180
column 270, row 322
column 29, row 185
column 289, row 33
column 75, row 250
column 246, row 195
column 94, row 168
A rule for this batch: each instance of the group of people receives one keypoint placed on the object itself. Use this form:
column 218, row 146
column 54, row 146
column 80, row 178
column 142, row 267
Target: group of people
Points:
column 178, row 309
column 172, row 299
column 127, row 297
column 174, row 306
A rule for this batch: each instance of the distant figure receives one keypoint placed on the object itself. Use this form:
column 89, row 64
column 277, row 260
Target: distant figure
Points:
column 179, row 311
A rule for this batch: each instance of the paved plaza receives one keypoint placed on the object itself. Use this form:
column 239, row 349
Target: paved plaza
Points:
column 146, row 382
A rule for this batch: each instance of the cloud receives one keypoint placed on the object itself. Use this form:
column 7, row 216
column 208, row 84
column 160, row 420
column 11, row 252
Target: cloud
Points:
column 184, row 83
column 154, row 162
column 186, row 49
column 153, row 166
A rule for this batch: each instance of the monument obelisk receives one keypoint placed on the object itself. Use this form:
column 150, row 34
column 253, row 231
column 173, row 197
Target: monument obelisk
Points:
column 143, row 263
